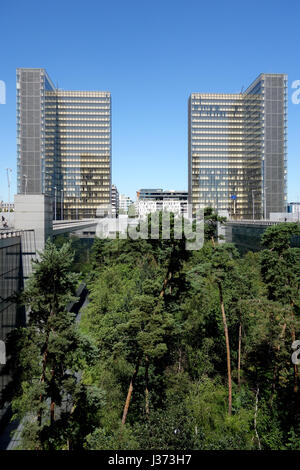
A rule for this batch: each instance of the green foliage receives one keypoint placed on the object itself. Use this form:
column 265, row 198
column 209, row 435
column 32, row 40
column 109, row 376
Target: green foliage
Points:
column 214, row 429
column 81, row 249
column 153, row 327
column 121, row 438
column 280, row 264
column 211, row 220
column 48, row 354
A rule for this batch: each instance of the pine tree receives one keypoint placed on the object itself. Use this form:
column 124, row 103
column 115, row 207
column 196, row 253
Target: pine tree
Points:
column 50, row 350
column 280, row 268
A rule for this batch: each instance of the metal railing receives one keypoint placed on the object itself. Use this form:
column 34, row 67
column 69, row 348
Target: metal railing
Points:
column 4, row 233
column 255, row 222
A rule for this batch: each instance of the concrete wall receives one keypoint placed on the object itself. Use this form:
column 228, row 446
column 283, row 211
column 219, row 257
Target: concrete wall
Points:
column 34, row 211
column 285, row 216
column 247, row 235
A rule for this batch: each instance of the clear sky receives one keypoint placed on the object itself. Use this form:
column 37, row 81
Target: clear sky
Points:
column 150, row 55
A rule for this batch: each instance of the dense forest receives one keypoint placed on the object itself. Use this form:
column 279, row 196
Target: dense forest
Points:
column 176, row 349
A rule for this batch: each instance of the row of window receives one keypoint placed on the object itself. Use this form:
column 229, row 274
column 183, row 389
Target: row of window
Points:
column 84, row 124
column 220, row 131
column 61, row 119
column 52, row 98
column 85, row 155
column 212, row 164
column 84, row 147
column 223, row 138
column 54, row 107
column 230, row 156
column 71, row 112
column 77, row 94
column 61, row 115
column 57, row 144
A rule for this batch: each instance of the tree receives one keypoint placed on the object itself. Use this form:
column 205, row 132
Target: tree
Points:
column 50, row 349
column 280, row 268
column 220, row 270
column 211, row 220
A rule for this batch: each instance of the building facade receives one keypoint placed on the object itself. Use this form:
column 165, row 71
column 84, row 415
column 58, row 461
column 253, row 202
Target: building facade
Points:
column 294, row 207
column 7, row 206
column 63, row 145
column 152, row 200
column 238, row 149
column 124, row 203
column 115, row 200
column 11, row 314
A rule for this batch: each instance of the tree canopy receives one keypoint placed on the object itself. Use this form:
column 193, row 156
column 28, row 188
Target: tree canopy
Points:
column 176, row 349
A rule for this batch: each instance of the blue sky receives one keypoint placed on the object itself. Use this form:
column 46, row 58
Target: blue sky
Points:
column 150, row 56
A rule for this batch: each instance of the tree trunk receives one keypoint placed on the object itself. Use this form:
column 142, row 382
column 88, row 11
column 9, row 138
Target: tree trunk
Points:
column 147, row 387
column 130, row 389
column 255, row 417
column 295, row 365
column 179, row 360
column 52, row 404
column 227, row 349
column 52, row 408
column 168, row 277
column 44, row 364
column 239, row 355
column 69, row 441
column 276, row 365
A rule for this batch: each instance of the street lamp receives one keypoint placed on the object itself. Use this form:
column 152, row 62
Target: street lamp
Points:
column 214, row 182
column 76, row 207
column 265, row 203
column 54, row 202
column 233, row 197
column 253, row 191
column 8, row 172
column 61, row 205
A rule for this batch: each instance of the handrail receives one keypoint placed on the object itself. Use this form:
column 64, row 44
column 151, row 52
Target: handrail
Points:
column 257, row 222
column 10, row 233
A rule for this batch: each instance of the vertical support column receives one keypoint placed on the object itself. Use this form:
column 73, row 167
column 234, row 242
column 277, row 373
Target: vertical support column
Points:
column 34, row 211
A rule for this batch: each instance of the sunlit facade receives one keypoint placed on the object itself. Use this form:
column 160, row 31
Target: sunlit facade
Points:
column 70, row 155
column 237, row 149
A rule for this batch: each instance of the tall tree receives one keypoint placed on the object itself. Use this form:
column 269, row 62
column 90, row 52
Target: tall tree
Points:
column 220, row 269
column 211, row 221
column 280, row 268
column 50, row 348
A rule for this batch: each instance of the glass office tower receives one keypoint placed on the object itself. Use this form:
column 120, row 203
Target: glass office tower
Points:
column 78, row 151
column 70, row 154
column 237, row 149
column 31, row 89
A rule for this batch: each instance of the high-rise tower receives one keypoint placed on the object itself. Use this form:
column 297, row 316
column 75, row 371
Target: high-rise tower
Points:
column 237, row 149
column 64, row 144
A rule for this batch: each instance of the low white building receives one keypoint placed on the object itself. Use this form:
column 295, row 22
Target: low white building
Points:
column 294, row 207
column 124, row 203
column 156, row 199
column 145, row 207
column 7, row 206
